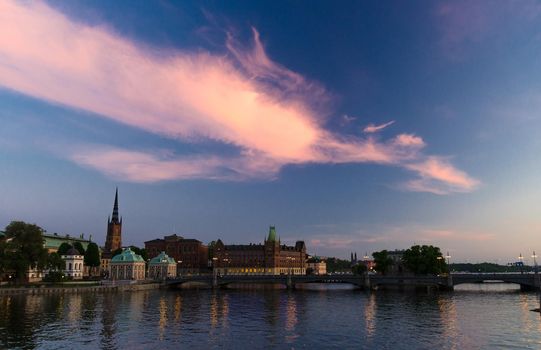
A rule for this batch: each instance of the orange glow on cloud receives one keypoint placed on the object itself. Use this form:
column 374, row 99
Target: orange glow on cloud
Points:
column 192, row 97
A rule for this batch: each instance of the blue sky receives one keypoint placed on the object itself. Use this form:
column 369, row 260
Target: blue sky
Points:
column 356, row 127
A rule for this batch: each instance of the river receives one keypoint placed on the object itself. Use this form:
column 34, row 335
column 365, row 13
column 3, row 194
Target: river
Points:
column 483, row 316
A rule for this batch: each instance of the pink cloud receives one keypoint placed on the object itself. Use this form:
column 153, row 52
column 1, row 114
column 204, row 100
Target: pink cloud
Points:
column 272, row 115
column 440, row 177
column 371, row 128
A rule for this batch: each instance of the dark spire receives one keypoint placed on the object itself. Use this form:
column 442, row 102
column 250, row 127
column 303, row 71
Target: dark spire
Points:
column 115, row 208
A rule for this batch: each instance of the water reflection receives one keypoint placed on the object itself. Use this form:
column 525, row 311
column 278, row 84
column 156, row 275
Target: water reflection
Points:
column 108, row 320
column 370, row 316
column 291, row 318
column 271, row 318
column 178, row 308
column 163, row 317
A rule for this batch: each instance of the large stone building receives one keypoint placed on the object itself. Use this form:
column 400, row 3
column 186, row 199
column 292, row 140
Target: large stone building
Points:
column 127, row 266
column 269, row 258
column 190, row 254
column 113, row 240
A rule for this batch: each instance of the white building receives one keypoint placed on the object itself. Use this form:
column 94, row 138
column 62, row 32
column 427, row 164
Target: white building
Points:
column 74, row 264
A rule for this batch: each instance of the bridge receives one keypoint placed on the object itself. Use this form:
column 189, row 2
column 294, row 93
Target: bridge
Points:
column 287, row 280
column 526, row 281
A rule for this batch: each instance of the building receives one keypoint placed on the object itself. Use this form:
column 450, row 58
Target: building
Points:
column 74, row 264
column 127, row 266
column 269, row 258
column 191, row 255
column 53, row 241
column 316, row 266
column 113, row 240
column 162, row 267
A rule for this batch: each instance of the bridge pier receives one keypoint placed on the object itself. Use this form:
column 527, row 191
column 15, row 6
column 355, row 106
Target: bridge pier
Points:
column 366, row 281
column 289, row 282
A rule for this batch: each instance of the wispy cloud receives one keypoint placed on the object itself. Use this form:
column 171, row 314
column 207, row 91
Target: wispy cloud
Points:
column 270, row 114
column 371, row 128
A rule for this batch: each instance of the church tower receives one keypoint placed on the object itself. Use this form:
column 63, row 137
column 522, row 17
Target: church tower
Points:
column 113, row 240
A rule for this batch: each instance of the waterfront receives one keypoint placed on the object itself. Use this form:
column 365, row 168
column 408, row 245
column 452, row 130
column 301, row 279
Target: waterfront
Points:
column 474, row 316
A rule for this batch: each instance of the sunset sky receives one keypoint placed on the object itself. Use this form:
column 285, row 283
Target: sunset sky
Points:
column 355, row 126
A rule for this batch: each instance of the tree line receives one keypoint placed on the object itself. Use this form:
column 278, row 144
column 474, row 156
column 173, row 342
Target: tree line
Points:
column 21, row 249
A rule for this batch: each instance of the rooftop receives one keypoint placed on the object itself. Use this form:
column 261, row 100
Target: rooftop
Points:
column 127, row 255
column 161, row 259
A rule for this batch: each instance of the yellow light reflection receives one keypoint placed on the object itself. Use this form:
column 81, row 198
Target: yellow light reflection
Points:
column 163, row 317
column 370, row 316
column 178, row 308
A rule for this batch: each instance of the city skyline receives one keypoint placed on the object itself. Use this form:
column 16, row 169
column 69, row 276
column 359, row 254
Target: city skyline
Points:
column 398, row 124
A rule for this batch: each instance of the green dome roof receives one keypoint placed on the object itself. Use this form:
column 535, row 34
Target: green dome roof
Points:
column 127, row 255
column 161, row 259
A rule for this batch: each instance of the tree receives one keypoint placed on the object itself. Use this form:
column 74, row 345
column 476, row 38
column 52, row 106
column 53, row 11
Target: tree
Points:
column 359, row 269
column 79, row 247
column 424, row 260
column 116, row 252
column 63, row 249
column 92, row 257
column 24, row 248
column 140, row 251
column 55, row 262
column 383, row 261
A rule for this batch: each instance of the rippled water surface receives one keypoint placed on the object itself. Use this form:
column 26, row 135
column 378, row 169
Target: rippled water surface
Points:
column 472, row 317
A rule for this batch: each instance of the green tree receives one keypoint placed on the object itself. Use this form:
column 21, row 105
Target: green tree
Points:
column 24, row 248
column 383, row 261
column 140, row 251
column 55, row 262
column 63, row 249
column 424, row 260
column 92, row 257
column 338, row 265
column 359, row 269
column 79, row 247
column 117, row 251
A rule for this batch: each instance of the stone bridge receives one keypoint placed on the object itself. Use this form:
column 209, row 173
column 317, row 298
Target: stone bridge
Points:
column 287, row 280
column 526, row 281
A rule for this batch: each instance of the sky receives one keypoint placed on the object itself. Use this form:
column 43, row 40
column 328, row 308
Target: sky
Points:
column 354, row 126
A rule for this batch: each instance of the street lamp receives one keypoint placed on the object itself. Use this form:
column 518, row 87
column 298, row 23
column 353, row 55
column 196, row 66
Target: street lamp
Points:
column 534, row 256
column 179, row 268
column 448, row 260
column 521, row 264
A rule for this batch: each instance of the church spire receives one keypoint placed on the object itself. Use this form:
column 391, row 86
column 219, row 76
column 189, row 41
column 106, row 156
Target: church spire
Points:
column 115, row 208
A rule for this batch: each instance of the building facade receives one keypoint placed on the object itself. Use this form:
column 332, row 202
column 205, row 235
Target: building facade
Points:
column 127, row 266
column 190, row 254
column 316, row 266
column 74, row 264
column 113, row 240
column 161, row 267
column 269, row 258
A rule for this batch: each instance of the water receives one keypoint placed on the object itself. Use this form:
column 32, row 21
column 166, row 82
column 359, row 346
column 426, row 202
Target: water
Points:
column 472, row 317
